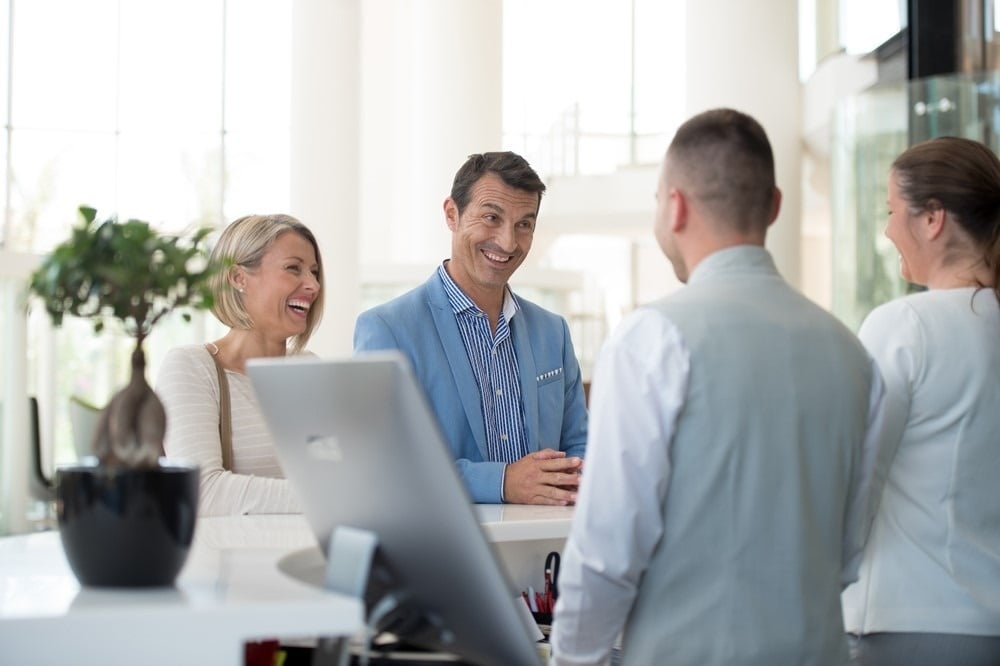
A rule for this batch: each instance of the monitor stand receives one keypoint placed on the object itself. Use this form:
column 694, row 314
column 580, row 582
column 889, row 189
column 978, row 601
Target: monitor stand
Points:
column 356, row 568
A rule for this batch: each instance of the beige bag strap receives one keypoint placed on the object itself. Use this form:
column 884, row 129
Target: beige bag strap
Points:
column 225, row 412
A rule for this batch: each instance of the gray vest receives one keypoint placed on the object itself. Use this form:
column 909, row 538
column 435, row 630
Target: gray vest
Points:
column 748, row 569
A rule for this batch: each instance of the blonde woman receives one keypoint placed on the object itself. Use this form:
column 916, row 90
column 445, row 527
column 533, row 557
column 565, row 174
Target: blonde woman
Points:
column 271, row 300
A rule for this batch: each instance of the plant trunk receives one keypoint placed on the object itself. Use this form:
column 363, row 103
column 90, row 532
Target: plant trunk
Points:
column 130, row 433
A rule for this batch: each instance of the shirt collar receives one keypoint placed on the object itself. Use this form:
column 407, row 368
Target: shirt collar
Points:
column 462, row 303
column 736, row 259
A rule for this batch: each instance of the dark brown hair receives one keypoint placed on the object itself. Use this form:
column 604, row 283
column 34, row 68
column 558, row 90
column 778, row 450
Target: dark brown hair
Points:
column 963, row 177
column 725, row 159
column 513, row 169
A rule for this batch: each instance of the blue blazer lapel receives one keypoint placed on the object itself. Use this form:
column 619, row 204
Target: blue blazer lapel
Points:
column 458, row 361
column 527, row 370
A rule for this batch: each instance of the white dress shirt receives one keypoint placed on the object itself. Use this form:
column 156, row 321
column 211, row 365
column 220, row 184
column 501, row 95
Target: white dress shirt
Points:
column 640, row 381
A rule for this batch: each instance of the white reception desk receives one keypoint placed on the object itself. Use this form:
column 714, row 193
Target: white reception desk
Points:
column 231, row 591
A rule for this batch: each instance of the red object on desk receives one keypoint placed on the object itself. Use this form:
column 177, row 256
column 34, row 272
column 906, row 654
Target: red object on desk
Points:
column 549, row 601
column 551, row 574
column 260, row 653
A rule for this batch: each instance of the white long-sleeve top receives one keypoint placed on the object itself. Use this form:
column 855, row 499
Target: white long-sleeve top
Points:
column 932, row 563
column 188, row 386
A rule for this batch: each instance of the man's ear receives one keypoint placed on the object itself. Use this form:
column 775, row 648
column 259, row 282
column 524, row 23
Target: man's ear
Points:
column 680, row 212
column 933, row 219
column 775, row 206
column 451, row 213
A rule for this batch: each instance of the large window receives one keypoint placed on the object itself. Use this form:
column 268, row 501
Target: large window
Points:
column 594, row 88
column 591, row 86
column 173, row 112
column 866, row 24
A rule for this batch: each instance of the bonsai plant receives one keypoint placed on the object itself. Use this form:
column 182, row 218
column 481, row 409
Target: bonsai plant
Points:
column 129, row 519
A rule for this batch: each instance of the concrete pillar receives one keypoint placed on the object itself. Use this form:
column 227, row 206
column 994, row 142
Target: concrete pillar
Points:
column 325, row 154
column 430, row 96
column 14, row 439
column 827, row 27
column 744, row 55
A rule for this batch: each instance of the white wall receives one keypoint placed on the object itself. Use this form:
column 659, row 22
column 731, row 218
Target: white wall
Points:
column 325, row 152
column 430, row 97
column 744, row 55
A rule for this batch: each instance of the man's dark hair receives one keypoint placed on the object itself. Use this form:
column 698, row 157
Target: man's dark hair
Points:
column 513, row 169
column 725, row 158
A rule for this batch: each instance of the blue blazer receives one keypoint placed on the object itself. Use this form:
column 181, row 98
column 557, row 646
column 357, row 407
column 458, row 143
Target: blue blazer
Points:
column 422, row 325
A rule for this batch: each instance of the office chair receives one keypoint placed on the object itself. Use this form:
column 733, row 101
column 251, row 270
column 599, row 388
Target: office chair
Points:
column 84, row 419
column 40, row 485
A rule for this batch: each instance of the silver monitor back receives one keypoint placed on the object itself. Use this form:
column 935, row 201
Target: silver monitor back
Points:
column 359, row 443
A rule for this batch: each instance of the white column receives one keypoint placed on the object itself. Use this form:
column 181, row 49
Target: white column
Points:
column 431, row 96
column 827, row 27
column 15, row 442
column 744, row 55
column 325, row 154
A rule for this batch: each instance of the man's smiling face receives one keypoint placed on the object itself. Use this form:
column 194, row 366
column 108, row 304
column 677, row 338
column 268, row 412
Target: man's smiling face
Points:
column 491, row 237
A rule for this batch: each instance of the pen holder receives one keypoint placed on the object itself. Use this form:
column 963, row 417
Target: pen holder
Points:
column 542, row 618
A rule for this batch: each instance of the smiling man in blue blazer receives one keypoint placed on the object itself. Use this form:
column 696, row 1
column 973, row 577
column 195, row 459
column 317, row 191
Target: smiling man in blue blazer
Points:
column 500, row 372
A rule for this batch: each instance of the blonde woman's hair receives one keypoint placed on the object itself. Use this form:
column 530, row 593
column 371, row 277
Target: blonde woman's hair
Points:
column 243, row 244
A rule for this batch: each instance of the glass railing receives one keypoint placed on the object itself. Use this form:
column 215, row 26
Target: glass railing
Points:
column 568, row 148
column 869, row 130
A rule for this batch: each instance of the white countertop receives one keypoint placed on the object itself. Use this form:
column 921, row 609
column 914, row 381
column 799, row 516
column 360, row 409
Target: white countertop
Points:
column 519, row 522
column 230, row 591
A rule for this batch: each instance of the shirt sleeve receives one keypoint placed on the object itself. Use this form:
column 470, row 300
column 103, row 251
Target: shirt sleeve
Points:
column 893, row 336
column 867, row 481
column 640, row 382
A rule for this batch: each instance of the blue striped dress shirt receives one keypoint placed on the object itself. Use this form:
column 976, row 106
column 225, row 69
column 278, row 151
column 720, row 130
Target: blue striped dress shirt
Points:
column 494, row 365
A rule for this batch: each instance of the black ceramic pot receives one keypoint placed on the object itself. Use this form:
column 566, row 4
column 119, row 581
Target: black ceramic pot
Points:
column 127, row 527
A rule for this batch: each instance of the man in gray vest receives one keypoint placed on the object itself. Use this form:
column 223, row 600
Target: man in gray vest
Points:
column 731, row 454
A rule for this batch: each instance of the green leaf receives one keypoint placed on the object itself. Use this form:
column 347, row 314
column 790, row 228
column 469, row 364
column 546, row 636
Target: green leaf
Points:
column 127, row 271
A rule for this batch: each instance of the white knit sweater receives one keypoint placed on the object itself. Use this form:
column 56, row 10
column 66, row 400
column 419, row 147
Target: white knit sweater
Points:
column 188, row 385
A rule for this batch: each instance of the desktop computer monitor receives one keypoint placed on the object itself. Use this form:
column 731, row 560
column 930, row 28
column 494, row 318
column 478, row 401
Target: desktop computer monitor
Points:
column 361, row 447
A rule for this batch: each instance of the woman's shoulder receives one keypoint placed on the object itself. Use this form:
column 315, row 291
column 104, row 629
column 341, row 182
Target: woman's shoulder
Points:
column 933, row 304
column 896, row 320
column 934, row 314
column 915, row 304
column 187, row 356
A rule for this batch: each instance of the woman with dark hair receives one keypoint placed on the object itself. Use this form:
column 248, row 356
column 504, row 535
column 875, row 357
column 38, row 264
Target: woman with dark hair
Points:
column 929, row 585
column 270, row 297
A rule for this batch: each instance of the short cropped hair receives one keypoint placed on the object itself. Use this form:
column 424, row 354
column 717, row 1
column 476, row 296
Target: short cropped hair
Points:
column 244, row 243
column 512, row 169
column 725, row 159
